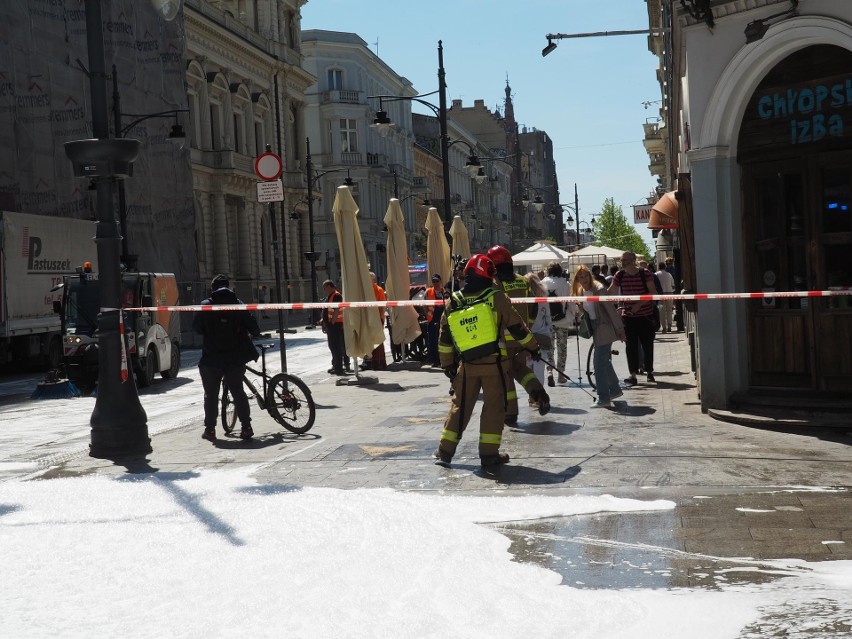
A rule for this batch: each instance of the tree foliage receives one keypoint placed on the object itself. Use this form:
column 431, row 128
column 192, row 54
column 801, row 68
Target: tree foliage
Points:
column 612, row 229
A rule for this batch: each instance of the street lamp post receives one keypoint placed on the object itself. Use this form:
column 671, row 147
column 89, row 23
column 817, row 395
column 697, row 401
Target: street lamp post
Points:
column 383, row 123
column 312, row 255
column 118, row 422
column 176, row 135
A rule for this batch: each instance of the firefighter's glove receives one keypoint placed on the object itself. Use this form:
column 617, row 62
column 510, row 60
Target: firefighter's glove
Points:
column 450, row 372
column 536, row 354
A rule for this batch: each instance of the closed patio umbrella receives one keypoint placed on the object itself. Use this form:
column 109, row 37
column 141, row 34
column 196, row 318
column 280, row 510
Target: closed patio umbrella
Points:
column 461, row 239
column 362, row 328
column 438, row 258
column 405, row 327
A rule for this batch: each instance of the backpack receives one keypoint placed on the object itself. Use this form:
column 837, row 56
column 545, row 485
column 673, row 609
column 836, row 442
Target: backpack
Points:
column 224, row 331
column 557, row 309
column 472, row 325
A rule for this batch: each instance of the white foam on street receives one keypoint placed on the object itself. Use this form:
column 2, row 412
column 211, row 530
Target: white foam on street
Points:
column 214, row 554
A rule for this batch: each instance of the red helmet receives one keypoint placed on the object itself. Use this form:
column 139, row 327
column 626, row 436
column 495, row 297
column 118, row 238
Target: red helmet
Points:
column 480, row 265
column 499, row 255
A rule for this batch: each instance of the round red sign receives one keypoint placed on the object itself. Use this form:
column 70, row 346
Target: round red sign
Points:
column 268, row 166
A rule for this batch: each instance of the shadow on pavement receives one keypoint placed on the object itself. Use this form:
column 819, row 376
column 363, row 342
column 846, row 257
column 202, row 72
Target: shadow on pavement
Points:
column 545, row 428
column 515, row 474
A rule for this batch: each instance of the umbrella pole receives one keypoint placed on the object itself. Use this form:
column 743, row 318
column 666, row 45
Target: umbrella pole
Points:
column 360, row 380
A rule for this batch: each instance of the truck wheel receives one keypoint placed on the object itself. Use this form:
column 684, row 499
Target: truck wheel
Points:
column 54, row 352
column 174, row 367
column 145, row 375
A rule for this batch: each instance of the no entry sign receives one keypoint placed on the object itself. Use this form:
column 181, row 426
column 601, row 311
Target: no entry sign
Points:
column 268, row 166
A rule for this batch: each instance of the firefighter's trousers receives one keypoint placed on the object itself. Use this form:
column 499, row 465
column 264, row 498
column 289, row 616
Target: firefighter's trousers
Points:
column 521, row 373
column 493, row 378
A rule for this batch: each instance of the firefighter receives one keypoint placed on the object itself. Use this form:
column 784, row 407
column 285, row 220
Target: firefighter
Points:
column 515, row 286
column 475, row 324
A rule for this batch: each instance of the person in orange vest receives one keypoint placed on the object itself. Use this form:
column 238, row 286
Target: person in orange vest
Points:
column 377, row 360
column 433, row 319
column 332, row 326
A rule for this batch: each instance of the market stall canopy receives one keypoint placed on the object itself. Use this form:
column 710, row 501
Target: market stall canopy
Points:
column 437, row 248
column 596, row 251
column 540, row 253
column 664, row 214
column 362, row 328
column 405, row 328
column 460, row 237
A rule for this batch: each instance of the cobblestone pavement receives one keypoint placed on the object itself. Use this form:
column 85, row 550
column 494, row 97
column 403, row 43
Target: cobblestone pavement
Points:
column 739, row 491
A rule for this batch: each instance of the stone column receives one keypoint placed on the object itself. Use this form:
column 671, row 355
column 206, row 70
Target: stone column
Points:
column 220, row 234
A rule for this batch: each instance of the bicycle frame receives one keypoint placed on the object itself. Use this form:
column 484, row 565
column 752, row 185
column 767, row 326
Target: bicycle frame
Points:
column 260, row 397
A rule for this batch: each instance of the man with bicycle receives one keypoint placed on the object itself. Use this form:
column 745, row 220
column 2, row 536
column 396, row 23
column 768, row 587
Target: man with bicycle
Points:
column 226, row 349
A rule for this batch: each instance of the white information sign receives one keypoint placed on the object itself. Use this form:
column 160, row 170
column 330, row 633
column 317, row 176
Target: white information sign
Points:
column 272, row 191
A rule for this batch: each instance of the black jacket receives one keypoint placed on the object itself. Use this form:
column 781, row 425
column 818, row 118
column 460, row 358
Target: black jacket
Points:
column 244, row 350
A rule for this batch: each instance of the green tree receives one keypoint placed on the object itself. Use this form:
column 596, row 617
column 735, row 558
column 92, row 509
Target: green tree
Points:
column 612, row 229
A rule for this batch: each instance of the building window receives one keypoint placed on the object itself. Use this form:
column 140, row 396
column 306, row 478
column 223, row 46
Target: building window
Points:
column 259, row 136
column 335, row 79
column 216, row 132
column 348, row 135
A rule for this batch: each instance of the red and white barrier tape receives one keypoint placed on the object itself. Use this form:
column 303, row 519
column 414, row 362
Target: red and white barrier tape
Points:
column 124, row 371
column 523, row 300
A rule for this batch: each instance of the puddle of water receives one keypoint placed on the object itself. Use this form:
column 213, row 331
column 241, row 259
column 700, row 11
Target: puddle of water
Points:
column 601, row 551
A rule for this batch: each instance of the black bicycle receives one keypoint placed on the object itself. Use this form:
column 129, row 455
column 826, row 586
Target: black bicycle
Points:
column 590, row 365
column 285, row 397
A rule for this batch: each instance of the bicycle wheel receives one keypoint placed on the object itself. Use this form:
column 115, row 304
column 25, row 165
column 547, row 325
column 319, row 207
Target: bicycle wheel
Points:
column 229, row 414
column 590, row 366
column 290, row 403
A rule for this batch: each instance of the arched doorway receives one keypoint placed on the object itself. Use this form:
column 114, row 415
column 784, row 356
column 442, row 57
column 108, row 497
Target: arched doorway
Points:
column 795, row 149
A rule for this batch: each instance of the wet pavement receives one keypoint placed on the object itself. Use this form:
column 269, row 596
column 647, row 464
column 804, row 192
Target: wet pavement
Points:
column 748, row 501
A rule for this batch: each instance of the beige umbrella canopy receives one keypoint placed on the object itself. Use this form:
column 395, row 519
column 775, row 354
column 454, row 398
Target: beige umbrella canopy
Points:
column 362, row 328
column 405, row 327
column 461, row 239
column 438, row 258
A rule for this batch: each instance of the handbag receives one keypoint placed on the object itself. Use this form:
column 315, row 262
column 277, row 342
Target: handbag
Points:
column 584, row 326
column 544, row 342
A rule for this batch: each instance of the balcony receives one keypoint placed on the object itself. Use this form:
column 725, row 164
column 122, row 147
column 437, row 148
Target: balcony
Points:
column 342, row 96
column 351, row 158
column 378, row 161
column 653, row 141
column 420, row 184
column 226, row 160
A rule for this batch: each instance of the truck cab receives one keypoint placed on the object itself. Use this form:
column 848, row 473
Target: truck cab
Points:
column 152, row 337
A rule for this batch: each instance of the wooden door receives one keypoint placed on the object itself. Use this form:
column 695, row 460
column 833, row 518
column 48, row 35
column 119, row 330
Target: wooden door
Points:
column 798, row 236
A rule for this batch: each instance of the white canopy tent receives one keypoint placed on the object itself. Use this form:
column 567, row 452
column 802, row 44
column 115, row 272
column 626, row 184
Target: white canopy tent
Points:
column 540, row 254
column 590, row 255
column 596, row 251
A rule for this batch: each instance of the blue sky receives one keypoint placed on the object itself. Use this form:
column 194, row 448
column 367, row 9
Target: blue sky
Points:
column 587, row 95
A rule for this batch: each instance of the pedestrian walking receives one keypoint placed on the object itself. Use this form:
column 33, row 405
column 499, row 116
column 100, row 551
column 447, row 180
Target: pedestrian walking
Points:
column 607, row 327
column 474, row 328
column 667, row 306
column 563, row 317
column 638, row 317
column 226, row 349
column 541, row 330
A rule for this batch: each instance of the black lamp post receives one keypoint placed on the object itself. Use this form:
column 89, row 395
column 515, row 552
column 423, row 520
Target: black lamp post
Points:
column 576, row 209
column 312, row 255
column 118, row 421
column 384, row 123
column 176, row 135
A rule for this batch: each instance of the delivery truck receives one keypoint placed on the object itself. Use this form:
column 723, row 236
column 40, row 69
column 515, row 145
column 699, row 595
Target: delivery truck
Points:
column 36, row 253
